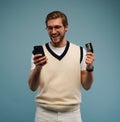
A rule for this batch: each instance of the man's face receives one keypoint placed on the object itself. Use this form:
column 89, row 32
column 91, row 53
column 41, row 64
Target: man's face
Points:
column 56, row 31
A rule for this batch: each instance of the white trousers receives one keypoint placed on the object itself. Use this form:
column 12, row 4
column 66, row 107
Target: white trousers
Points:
column 43, row 115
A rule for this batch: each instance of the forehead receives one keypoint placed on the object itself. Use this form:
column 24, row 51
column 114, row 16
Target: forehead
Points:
column 53, row 22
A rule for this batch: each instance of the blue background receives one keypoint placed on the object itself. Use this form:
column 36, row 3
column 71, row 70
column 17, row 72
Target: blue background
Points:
column 22, row 26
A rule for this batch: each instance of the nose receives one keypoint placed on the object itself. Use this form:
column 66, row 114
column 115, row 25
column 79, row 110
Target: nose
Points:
column 53, row 31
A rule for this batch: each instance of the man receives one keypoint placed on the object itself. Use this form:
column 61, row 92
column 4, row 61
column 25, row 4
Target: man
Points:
column 59, row 74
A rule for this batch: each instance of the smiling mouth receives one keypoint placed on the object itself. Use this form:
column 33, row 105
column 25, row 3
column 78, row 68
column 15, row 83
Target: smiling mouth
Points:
column 55, row 36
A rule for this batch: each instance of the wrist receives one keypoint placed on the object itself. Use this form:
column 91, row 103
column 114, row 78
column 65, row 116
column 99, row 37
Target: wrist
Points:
column 38, row 68
column 90, row 69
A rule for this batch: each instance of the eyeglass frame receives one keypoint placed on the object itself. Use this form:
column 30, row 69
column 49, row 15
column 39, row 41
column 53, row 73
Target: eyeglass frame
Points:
column 56, row 27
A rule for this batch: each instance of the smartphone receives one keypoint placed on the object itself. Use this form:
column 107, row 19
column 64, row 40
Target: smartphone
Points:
column 38, row 49
column 89, row 47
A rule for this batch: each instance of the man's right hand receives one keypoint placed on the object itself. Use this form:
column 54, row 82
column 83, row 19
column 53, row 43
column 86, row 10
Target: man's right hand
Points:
column 39, row 60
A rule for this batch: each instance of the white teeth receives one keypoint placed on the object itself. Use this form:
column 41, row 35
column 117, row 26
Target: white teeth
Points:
column 54, row 36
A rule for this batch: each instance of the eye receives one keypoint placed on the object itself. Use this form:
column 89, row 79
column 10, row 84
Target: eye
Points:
column 49, row 27
column 57, row 27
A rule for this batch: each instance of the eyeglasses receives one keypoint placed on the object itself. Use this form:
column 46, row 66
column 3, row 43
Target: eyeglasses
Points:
column 56, row 27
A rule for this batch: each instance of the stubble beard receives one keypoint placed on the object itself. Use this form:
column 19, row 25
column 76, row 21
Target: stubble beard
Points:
column 56, row 42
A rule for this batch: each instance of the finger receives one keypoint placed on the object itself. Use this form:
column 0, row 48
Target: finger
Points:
column 43, row 58
column 89, row 60
column 91, row 56
column 37, row 56
column 40, row 61
column 36, row 61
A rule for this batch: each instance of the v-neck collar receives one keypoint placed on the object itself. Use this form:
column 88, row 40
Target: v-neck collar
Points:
column 59, row 57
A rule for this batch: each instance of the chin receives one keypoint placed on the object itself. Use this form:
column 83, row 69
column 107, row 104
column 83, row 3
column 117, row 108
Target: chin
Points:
column 55, row 41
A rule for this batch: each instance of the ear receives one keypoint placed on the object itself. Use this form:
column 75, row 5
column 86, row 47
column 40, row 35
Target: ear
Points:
column 66, row 28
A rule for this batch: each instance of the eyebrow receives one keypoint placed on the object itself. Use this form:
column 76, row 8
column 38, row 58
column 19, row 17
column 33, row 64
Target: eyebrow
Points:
column 56, row 27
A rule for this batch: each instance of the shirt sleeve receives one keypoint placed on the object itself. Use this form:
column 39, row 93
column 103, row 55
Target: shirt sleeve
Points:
column 83, row 64
column 32, row 64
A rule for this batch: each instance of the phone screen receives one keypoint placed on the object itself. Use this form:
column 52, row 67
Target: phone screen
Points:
column 89, row 47
column 38, row 49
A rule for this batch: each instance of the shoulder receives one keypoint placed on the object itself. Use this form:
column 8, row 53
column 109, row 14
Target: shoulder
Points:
column 82, row 49
column 74, row 47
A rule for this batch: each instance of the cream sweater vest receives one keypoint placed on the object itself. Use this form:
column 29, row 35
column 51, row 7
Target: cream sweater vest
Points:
column 60, row 80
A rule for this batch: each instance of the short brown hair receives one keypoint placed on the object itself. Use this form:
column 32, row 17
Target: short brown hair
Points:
column 55, row 15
